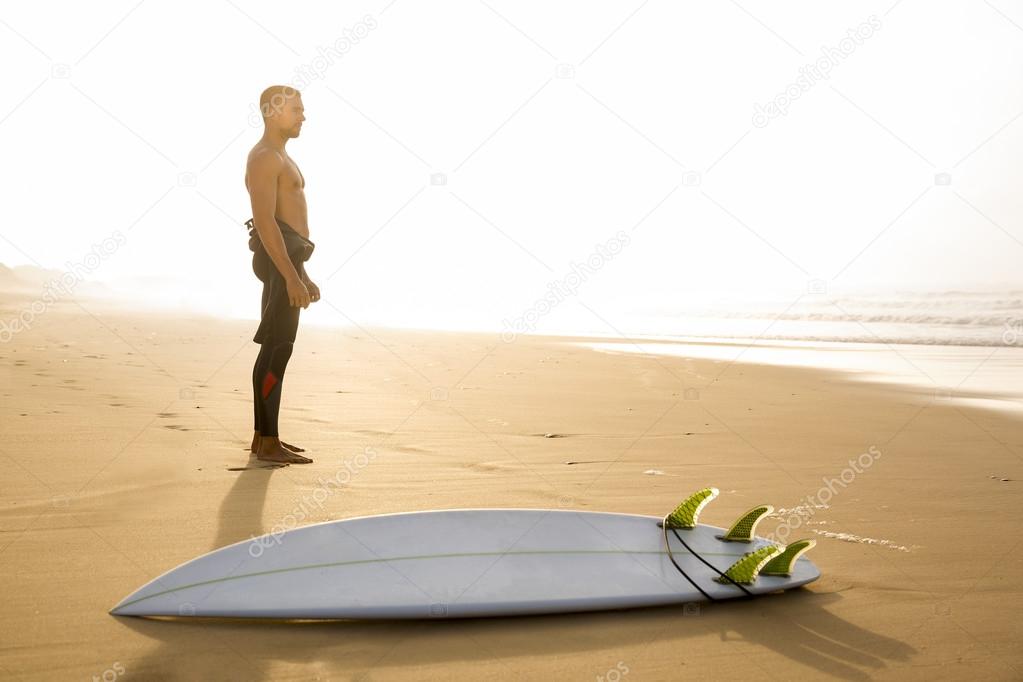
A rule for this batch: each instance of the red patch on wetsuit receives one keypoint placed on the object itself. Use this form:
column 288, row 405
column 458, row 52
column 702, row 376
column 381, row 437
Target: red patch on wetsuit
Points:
column 269, row 381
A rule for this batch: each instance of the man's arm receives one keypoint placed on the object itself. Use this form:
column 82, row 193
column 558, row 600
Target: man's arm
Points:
column 263, row 170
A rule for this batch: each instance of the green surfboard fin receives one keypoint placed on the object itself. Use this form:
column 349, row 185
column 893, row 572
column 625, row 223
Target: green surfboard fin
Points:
column 782, row 564
column 687, row 513
column 746, row 569
column 743, row 529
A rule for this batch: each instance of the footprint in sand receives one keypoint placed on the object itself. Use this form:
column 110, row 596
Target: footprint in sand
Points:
column 168, row 415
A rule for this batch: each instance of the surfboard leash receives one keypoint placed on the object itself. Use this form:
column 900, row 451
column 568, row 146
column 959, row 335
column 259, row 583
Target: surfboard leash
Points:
column 706, row 563
column 667, row 546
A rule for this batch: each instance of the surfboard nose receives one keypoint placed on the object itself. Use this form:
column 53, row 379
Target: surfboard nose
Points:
column 129, row 606
column 137, row 605
column 122, row 609
column 153, row 599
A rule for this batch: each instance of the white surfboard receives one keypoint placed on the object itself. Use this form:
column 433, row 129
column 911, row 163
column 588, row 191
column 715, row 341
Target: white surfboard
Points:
column 464, row 562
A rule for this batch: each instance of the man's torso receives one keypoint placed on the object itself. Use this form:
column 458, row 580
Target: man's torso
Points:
column 291, row 206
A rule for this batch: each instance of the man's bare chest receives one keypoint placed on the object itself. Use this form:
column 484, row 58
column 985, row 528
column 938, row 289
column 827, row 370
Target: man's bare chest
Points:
column 292, row 177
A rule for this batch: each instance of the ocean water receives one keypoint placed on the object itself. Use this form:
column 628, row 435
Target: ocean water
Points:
column 960, row 346
column 948, row 318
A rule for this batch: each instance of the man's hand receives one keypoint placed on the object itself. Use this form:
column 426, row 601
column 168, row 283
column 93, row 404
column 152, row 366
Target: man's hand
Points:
column 298, row 294
column 314, row 291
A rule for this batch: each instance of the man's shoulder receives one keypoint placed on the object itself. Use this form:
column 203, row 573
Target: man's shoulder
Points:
column 264, row 156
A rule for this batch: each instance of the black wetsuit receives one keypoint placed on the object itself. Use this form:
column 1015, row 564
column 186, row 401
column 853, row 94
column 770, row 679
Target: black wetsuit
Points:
column 278, row 325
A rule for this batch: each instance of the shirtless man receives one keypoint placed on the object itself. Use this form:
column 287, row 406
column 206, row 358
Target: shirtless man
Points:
column 276, row 189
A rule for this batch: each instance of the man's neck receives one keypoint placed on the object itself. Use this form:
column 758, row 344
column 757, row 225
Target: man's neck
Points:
column 274, row 139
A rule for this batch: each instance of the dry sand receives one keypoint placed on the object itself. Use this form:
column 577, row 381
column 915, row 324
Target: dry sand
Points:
column 119, row 430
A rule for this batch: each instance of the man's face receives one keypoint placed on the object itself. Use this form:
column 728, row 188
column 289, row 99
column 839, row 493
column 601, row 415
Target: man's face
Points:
column 289, row 118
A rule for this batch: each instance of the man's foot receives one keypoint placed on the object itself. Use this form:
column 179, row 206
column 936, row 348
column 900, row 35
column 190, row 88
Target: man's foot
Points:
column 255, row 445
column 270, row 450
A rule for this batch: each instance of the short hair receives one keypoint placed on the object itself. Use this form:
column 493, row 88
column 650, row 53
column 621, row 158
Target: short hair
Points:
column 272, row 99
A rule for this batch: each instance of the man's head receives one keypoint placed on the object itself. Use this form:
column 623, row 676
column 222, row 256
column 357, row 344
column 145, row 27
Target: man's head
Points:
column 281, row 106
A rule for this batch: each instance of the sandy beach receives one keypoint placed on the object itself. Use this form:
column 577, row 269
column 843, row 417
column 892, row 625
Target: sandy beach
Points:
column 122, row 432
column 563, row 262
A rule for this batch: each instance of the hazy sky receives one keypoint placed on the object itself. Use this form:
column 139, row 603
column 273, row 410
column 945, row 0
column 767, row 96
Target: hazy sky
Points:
column 462, row 156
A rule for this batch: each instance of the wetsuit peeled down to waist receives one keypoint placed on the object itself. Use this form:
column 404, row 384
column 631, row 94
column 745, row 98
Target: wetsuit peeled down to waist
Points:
column 278, row 319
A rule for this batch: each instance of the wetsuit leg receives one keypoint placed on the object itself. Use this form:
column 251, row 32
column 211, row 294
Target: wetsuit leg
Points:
column 259, row 261
column 276, row 334
column 258, row 372
column 269, row 397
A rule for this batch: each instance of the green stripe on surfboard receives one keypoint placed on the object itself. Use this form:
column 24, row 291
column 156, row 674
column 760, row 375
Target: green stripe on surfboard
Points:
column 398, row 558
